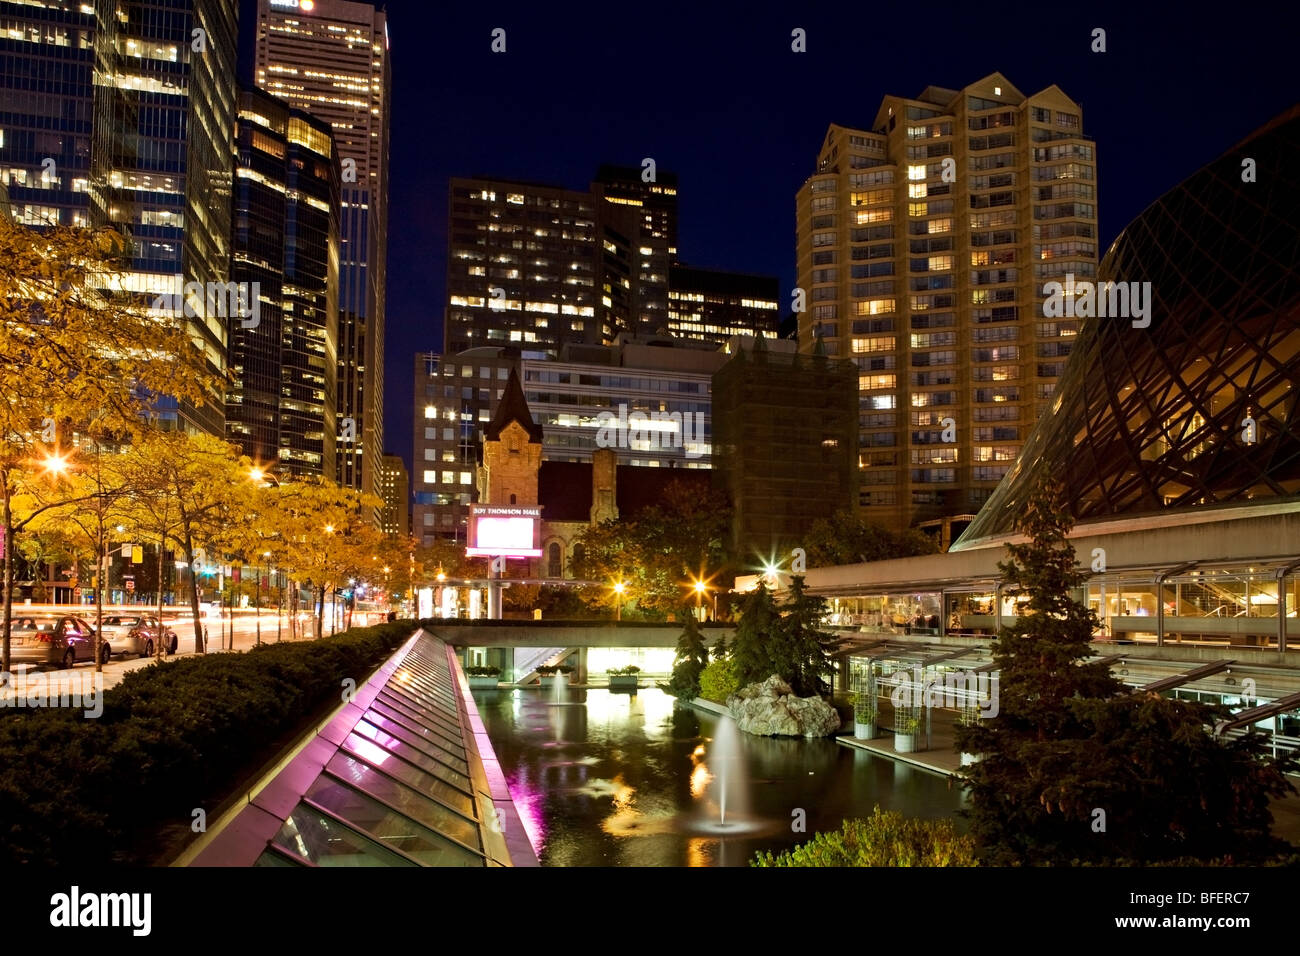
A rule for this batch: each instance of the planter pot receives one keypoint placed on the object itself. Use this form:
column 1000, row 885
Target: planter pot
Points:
column 623, row 681
column 968, row 759
column 550, row 680
column 864, row 730
column 481, row 682
column 904, row 743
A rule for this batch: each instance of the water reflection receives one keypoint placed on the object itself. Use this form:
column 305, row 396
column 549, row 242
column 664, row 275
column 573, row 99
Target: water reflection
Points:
column 615, row 779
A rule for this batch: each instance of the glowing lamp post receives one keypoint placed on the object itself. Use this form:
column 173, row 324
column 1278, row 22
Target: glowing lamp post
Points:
column 619, row 588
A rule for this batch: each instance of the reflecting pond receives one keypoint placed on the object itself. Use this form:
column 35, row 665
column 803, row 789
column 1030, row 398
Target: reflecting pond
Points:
column 618, row 779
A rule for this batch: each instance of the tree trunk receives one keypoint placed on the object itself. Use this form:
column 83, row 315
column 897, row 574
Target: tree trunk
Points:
column 6, row 600
column 101, row 584
column 162, row 630
column 320, row 613
column 199, row 644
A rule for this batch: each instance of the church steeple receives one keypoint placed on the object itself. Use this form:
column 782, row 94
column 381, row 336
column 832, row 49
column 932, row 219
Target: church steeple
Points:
column 513, row 407
column 511, row 451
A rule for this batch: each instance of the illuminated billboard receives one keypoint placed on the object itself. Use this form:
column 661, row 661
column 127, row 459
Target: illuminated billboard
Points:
column 513, row 531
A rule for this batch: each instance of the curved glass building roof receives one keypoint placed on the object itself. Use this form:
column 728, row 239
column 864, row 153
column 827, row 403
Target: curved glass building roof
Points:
column 1199, row 407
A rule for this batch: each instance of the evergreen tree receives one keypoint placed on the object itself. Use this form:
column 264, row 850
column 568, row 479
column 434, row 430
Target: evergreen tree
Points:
column 1068, row 740
column 751, row 650
column 692, row 658
column 803, row 649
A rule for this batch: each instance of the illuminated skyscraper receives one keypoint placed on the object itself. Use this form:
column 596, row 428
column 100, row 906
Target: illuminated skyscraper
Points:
column 280, row 407
column 654, row 206
column 924, row 243
column 330, row 58
column 713, row 306
column 124, row 114
column 537, row 266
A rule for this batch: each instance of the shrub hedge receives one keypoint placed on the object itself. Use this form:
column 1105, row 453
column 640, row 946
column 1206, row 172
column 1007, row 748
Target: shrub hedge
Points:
column 718, row 680
column 174, row 737
column 886, row 838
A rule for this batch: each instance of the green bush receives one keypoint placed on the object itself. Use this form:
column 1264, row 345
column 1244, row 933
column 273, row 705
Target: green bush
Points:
column 482, row 670
column 718, row 680
column 885, row 838
column 173, row 737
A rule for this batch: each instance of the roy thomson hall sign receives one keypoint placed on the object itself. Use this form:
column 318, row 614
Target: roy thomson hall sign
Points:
column 511, row 531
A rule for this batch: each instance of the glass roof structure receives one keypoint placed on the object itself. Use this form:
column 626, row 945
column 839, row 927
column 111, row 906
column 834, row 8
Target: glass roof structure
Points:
column 1199, row 407
column 401, row 775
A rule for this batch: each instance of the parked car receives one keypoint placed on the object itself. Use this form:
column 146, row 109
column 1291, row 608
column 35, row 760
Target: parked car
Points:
column 118, row 626
column 142, row 637
column 54, row 639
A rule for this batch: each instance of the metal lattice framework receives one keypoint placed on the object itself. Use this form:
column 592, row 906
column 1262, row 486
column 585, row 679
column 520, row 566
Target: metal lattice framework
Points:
column 1198, row 408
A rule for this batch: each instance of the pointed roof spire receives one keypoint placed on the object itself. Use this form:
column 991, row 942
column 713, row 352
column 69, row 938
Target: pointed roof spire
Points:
column 819, row 347
column 513, row 407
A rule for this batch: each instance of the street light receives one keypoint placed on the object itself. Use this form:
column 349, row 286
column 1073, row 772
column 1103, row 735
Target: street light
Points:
column 619, row 588
column 55, row 463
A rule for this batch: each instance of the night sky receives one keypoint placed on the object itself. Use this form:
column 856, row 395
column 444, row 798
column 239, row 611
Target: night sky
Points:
column 715, row 94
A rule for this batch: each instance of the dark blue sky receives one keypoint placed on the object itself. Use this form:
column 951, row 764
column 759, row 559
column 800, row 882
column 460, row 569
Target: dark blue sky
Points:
column 714, row 93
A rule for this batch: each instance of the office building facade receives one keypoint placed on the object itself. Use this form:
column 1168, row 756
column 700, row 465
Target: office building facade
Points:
column 654, row 205
column 281, row 402
column 395, row 489
column 713, row 306
column 125, row 116
column 330, row 58
column 535, row 266
column 924, row 245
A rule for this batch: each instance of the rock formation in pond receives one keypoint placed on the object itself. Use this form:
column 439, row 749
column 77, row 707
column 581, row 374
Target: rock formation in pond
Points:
column 771, row 709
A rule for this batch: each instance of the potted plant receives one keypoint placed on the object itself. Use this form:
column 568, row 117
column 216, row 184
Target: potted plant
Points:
column 553, row 674
column 906, row 727
column 623, row 678
column 969, row 717
column 865, row 711
column 483, row 677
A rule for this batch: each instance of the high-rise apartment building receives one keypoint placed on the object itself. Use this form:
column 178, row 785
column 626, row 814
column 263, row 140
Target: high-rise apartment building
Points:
column 714, row 306
column 280, row 405
column 924, row 243
column 124, row 114
column 654, row 203
column 330, row 59
column 537, row 266
column 395, row 489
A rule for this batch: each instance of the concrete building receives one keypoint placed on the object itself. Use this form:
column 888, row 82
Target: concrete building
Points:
column 84, row 86
column 395, row 485
column 280, row 405
column 712, row 305
column 785, row 432
column 924, row 243
column 330, row 58
column 455, row 396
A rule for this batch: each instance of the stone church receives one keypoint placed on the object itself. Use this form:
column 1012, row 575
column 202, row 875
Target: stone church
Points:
column 573, row 495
